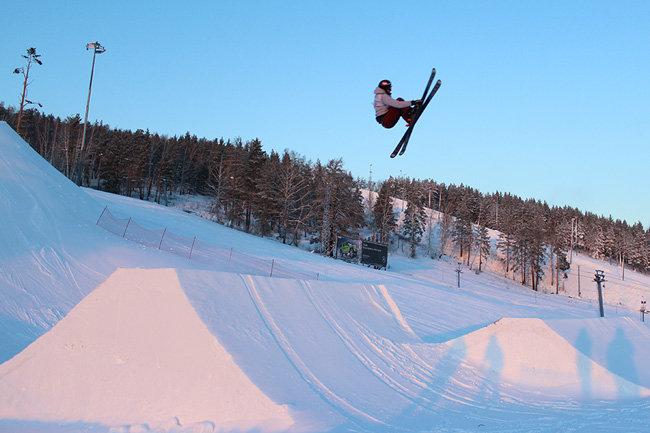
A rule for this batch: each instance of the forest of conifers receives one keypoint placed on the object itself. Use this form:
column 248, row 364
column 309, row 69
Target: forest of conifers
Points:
column 293, row 199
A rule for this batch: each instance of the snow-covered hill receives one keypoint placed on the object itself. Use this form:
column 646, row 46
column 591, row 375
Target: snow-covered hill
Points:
column 624, row 288
column 98, row 333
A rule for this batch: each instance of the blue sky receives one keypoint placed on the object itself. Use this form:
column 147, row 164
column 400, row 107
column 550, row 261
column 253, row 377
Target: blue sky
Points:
column 542, row 99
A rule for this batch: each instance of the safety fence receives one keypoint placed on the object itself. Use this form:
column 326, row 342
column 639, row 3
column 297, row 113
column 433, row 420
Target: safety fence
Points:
column 196, row 250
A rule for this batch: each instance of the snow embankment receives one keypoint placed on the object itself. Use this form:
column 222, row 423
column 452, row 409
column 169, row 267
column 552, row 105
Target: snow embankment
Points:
column 134, row 351
column 52, row 253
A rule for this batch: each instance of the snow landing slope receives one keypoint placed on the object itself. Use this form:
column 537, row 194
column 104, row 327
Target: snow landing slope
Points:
column 216, row 351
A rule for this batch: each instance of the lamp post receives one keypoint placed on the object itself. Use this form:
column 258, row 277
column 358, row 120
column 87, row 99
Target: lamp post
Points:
column 97, row 49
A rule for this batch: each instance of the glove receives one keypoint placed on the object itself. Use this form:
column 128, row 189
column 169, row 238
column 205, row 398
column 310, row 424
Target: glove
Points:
column 417, row 101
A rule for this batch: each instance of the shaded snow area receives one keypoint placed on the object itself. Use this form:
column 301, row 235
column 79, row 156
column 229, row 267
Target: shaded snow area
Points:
column 102, row 334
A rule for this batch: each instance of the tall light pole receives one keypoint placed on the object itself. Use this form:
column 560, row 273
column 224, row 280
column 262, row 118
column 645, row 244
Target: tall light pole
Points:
column 97, row 49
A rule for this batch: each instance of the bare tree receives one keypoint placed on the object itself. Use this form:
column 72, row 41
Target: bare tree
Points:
column 31, row 57
column 293, row 191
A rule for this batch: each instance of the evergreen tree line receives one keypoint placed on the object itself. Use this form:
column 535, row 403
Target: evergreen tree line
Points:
column 533, row 236
column 287, row 196
column 261, row 193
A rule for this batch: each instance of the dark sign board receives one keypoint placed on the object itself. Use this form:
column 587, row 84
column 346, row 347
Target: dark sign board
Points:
column 374, row 254
column 348, row 249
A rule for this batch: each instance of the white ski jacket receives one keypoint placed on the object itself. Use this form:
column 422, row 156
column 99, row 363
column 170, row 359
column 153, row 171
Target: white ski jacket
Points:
column 383, row 101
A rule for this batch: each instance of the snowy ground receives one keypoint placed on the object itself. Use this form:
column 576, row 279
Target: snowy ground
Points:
column 98, row 333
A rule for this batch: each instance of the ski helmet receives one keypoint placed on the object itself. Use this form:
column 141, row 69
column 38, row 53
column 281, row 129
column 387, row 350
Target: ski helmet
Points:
column 386, row 85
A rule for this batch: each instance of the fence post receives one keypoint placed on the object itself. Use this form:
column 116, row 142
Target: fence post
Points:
column 102, row 214
column 643, row 311
column 126, row 228
column 162, row 237
column 192, row 249
column 272, row 263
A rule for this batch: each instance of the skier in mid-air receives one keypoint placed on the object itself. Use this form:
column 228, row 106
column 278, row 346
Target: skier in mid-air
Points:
column 389, row 110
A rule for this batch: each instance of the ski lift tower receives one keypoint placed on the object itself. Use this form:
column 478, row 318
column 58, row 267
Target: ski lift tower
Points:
column 600, row 280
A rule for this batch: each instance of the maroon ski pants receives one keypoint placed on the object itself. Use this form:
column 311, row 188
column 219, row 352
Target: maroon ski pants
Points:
column 390, row 119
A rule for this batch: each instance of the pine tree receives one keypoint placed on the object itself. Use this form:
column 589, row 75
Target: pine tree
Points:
column 609, row 244
column 462, row 232
column 505, row 243
column 266, row 209
column 414, row 219
column 255, row 158
column 530, row 244
column 444, row 231
column 482, row 243
column 338, row 203
column 218, row 172
column 234, row 187
column 383, row 213
column 557, row 235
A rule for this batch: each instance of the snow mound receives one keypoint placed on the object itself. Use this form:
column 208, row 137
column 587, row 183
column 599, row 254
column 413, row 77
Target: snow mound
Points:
column 134, row 351
column 530, row 354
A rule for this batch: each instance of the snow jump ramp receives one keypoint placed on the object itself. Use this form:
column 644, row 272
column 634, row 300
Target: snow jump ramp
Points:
column 530, row 354
column 134, row 351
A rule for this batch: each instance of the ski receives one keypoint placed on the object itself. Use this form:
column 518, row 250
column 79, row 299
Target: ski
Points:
column 424, row 105
column 426, row 98
column 424, row 95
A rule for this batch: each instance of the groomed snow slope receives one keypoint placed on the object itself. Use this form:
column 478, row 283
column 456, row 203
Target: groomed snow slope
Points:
column 337, row 356
column 359, row 350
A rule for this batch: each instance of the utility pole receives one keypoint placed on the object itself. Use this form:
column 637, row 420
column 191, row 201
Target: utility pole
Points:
column 370, row 191
column 579, row 293
column 600, row 280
